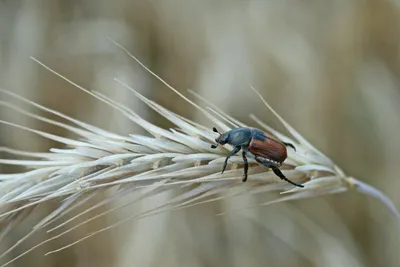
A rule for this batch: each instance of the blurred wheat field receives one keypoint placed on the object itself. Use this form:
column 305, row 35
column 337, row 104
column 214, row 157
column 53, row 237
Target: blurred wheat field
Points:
column 331, row 69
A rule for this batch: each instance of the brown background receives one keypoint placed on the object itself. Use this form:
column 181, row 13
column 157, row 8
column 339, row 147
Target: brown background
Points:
column 331, row 68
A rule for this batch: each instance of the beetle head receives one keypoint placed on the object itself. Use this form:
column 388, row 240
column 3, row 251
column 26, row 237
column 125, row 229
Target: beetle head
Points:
column 222, row 139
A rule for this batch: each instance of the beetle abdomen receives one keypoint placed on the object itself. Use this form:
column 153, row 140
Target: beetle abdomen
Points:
column 268, row 147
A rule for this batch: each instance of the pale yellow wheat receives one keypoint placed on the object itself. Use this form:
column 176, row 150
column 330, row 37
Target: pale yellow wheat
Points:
column 146, row 165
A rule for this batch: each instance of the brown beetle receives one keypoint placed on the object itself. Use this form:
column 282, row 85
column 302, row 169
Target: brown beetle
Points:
column 266, row 150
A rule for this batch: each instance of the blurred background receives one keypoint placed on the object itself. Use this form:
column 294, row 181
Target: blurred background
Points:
column 330, row 68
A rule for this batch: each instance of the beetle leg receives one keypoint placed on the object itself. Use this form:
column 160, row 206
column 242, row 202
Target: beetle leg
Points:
column 246, row 166
column 289, row 144
column 278, row 172
column 233, row 152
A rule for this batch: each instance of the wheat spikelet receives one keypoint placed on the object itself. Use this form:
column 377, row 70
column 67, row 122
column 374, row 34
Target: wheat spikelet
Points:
column 165, row 159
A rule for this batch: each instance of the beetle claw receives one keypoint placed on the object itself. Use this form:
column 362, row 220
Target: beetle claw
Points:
column 280, row 175
column 289, row 144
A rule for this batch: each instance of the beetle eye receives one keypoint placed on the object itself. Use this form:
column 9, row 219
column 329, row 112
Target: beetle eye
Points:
column 216, row 140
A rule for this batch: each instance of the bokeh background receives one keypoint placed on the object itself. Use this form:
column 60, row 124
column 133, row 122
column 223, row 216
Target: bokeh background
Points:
column 330, row 68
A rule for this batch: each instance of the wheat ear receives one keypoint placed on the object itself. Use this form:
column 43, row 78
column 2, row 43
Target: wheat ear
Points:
column 147, row 165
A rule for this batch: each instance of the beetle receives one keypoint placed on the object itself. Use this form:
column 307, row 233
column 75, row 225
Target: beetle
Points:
column 267, row 150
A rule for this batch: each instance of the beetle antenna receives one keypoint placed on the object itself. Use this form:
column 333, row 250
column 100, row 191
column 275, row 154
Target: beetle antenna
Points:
column 216, row 131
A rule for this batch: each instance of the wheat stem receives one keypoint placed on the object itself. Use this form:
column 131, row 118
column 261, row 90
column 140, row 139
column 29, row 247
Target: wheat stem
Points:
column 149, row 165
